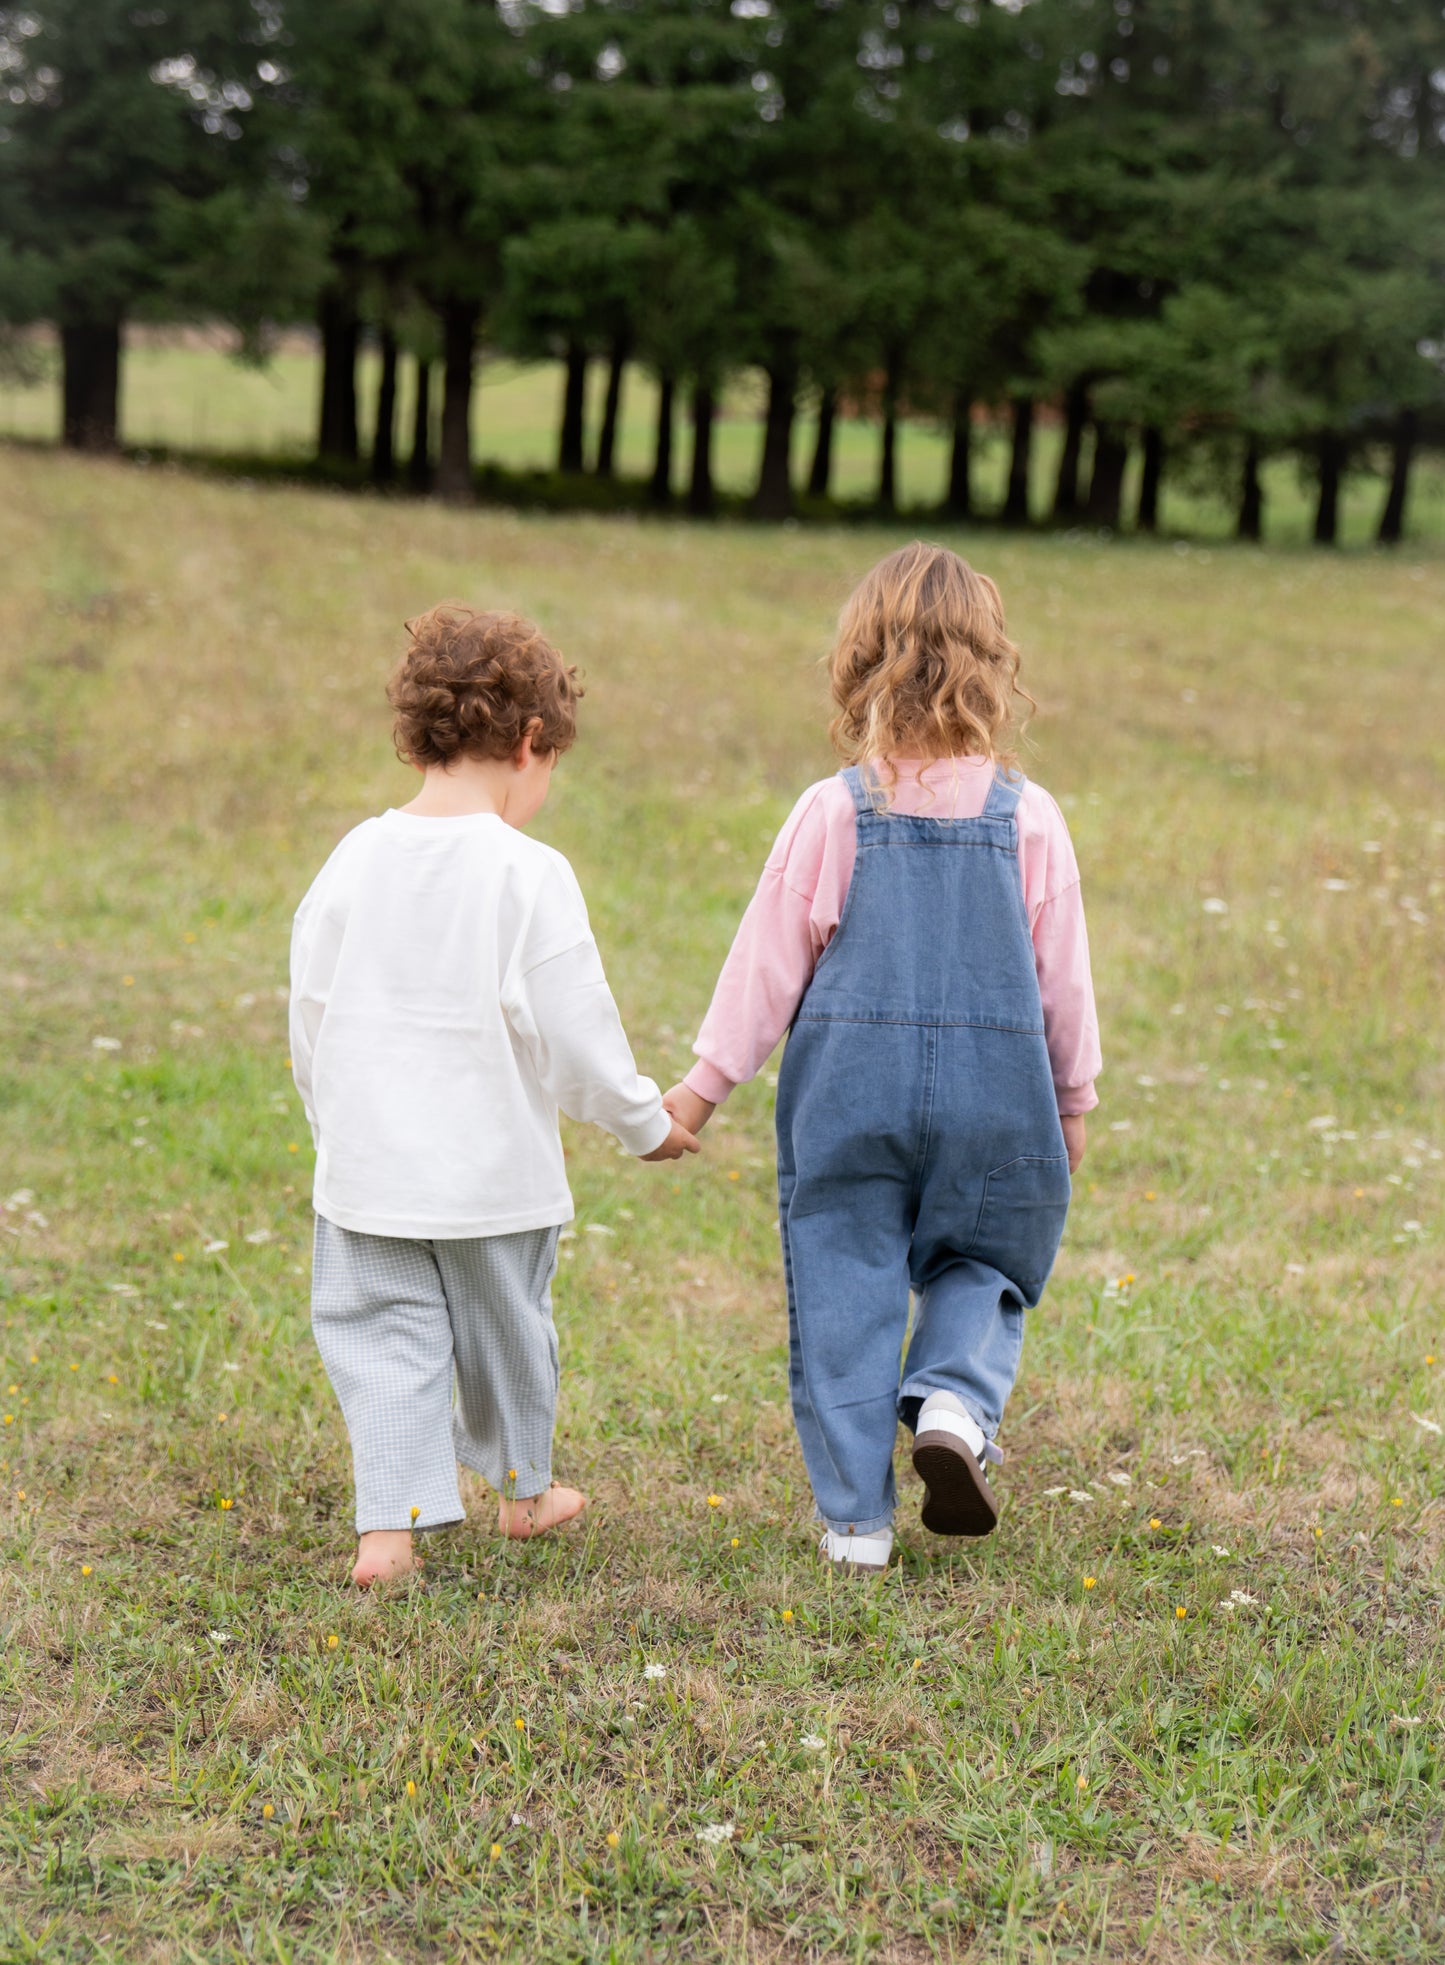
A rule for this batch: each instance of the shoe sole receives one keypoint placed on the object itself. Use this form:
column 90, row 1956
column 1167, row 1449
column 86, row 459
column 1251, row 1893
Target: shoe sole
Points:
column 959, row 1500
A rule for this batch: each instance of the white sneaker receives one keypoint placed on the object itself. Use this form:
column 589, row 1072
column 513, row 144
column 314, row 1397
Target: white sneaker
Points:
column 857, row 1555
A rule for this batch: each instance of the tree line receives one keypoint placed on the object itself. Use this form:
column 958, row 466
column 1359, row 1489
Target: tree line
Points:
column 1206, row 231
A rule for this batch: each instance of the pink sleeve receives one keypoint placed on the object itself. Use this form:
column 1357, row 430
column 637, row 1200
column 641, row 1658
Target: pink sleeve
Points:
column 1055, row 905
column 789, row 922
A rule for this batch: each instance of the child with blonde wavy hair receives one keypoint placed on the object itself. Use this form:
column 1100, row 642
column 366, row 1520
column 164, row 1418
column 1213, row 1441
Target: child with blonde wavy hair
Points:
column 919, row 933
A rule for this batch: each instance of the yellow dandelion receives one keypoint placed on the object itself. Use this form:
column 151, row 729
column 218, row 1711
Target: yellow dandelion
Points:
column 495, row 1851
column 112, row 1380
column 188, row 936
column 481, row 1596
column 414, row 1513
column 787, row 1616
column 1429, row 1358
column 15, row 1388
column 737, row 1541
column 733, row 1174
column 292, row 1147
column 85, row 1569
column 35, row 1358
column 220, row 1419
column 332, row 1641
column 520, row 1724
column 75, row 1367
column 1090, row 1581
column 226, row 1504
column 1397, row 1501
column 1081, row 1784
column 1149, row 1194
column 714, row 1501
column 128, row 982
column 917, row 1664
column 1154, row 1522
column 1318, row 1533
column 19, row 1494
column 9, row 1419
column 267, row 1812
column 1180, row 1611
column 613, row 1838
column 178, row 1255
column 1359, row 1193
column 411, row 1787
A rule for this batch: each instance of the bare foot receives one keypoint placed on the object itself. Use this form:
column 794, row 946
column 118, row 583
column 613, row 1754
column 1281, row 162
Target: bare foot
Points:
column 539, row 1512
column 381, row 1554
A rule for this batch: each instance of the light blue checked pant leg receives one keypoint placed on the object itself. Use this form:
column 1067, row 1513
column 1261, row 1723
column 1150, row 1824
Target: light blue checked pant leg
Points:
column 396, row 1322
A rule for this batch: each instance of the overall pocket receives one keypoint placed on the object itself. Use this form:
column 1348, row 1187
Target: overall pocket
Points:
column 1021, row 1221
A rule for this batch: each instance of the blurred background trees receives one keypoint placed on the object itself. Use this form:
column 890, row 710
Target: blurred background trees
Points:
column 1194, row 234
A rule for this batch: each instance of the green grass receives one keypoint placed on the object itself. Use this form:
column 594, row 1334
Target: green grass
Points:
column 196, row 399
column 1013, row 1764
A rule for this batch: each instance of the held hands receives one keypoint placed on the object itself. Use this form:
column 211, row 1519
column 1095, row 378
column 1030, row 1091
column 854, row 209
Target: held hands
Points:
column 689, row 1114
column 678, row 1142
column 1074, row 1137
column 687, row 1109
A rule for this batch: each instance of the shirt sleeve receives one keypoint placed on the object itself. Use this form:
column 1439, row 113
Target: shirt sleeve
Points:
column 313, row 960
column 786, row 927
column 564, row 1013
column 1061, row 957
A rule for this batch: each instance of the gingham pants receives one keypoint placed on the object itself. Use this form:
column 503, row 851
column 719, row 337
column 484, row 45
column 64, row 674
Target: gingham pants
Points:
column 393, row 1319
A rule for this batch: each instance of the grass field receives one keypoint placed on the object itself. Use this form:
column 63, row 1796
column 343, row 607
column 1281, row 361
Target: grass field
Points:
column 1186, row 1704
column 188, row 398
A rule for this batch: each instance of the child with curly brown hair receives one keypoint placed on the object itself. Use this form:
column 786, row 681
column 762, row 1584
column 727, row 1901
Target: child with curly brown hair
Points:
column 918, row 931
column 447, row 997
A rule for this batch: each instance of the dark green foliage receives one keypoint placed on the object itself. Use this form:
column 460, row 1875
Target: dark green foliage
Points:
column 1205, row 230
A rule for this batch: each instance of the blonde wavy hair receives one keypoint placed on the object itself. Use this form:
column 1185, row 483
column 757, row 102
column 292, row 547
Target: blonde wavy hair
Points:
column 923, row 666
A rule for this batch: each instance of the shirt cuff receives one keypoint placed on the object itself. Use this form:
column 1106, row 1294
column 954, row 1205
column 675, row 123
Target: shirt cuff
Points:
column 1076, row 1100
column 708, row 1082
column 646, row 1139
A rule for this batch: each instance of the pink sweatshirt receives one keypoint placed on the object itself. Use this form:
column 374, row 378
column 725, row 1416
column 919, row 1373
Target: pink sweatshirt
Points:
column 799, row 902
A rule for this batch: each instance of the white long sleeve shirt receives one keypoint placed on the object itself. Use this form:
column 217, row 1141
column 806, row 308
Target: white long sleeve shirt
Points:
column 447, row 998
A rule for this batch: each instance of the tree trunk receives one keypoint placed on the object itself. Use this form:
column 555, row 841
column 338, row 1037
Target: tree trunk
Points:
column 960, row 462
column 90, row 384
column 1146, row 519
column 1392, row 519
column 419, row 468
column 821, row 474
column 773, row 498
column 888, row 461
column 1016, row 502
column 1332, row 465
column 574, row 407
column 611, row 407
column 336, row 440
column 459, row 337
column 1250, row 524
column 661, row 486
column 1106, row 480
column 383, row 444
column 1076, row 419
column 700, row 498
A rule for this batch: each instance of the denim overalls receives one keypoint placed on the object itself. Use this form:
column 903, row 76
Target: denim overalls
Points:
column 919, row 1147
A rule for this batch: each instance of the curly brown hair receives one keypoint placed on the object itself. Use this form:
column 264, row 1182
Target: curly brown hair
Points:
column 923, row 666
column 472, row 685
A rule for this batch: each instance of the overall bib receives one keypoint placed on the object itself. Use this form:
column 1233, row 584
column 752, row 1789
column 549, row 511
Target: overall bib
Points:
column 919, row 1147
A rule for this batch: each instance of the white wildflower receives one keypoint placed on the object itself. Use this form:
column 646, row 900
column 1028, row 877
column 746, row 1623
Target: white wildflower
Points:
column 1054, row 1490
column 1338, row 886
column 814, row 1742
column 1079, row 1494
column 259, row 1235
column 598, row 1228
column 1214, row 905
column 654, row 1671
column 1119, row 1479
column 219, row 1637
column 105, row 1043
column 214, row 1248
column 1430, row 1425
column 1219, row 1549
column 719, row 1398
column 716, row 1833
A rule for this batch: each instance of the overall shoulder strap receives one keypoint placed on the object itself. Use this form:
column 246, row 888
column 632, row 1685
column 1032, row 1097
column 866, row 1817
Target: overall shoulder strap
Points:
column 1004, row 794
column 860, row 782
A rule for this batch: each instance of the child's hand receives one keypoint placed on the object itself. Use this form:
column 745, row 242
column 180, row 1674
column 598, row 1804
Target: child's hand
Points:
column 678, row 1142
column 1074, row 1137
column 687, row 1108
